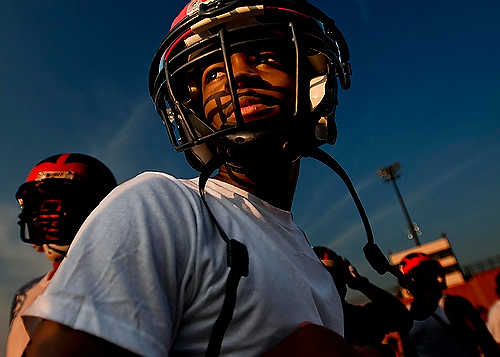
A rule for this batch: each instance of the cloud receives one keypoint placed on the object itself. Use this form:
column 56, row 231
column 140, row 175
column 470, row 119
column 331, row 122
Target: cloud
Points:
column 127, row 131
column 418, row 195
column 425, row 190
column 135, row 142
column 326, row 215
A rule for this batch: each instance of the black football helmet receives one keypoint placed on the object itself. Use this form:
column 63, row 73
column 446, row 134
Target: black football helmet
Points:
column 59, row 193
column 210, row 31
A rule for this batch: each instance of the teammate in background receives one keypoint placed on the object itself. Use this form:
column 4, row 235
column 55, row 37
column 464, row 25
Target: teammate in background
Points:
column 493, row 321
column 445, row 325
column 168, row 266
column 59, row 193
column 364, row 324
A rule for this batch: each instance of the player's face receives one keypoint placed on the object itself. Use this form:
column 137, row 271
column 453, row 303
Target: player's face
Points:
column 428, row 284
column 264, row 87
column 48, row 223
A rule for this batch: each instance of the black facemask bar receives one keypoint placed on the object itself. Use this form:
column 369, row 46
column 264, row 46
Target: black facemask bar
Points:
column 189, row 116
column 53, row 210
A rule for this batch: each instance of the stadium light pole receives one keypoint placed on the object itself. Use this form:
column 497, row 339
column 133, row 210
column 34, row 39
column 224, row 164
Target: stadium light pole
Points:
column 390, row 173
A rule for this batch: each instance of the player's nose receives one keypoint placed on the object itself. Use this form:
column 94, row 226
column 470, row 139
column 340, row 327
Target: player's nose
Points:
column 243, row 70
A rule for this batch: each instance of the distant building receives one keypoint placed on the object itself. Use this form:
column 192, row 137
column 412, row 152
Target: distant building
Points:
column 477, row 284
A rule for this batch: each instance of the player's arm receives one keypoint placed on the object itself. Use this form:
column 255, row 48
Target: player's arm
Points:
column 486, row 342
column 315, row 340
column 393, row 312
column 52, row 339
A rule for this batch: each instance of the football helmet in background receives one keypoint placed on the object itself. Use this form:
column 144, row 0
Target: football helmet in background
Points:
column 59, row 193
column 422, row 272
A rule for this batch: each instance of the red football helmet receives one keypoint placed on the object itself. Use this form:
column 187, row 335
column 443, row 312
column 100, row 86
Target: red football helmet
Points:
column 209, row 31
column 420, row 270
column 59, row 193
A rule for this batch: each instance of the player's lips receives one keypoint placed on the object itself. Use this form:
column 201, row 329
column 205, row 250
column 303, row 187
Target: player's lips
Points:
column 251, row 106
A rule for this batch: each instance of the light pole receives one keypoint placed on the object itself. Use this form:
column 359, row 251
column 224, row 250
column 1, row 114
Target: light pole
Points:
column 390, row 173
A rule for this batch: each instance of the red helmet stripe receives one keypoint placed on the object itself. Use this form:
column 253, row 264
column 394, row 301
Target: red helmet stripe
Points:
column 180, row 38
column 409, row 263
column 179, row 17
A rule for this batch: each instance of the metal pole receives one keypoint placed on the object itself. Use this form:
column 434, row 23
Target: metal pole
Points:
column 405, row 211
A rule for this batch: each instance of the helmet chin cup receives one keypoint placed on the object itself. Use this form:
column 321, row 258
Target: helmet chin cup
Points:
column 250, row 149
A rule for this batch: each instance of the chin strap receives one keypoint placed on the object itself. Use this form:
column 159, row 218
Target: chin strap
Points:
column 59, row 251
column 237, row 254
column 373, row 254
column 237, row 262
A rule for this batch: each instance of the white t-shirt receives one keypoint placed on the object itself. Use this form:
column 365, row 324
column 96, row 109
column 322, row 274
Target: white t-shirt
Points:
column 147, row 271
column 494, row 321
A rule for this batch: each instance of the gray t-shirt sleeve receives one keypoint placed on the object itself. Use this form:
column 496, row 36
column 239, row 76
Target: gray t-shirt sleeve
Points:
column 128, row 272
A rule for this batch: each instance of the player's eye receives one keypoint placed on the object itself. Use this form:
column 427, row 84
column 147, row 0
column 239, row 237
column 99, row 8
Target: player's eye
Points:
column 214, row 74
column 268, row 57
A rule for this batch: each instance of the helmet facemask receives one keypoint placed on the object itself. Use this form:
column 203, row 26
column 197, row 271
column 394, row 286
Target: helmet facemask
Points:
column 312, row 58
column 53, row 210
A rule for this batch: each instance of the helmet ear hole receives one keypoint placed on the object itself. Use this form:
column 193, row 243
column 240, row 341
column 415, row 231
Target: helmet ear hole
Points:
column 322, row 89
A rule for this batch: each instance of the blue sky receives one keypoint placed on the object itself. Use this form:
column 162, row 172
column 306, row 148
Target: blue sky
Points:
column 424, row 92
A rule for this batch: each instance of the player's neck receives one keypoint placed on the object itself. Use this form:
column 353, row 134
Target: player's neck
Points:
column 276, row 186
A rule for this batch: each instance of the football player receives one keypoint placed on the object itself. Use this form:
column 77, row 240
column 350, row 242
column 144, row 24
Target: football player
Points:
column 445, row 325
column 59, row 193
column 216, row 265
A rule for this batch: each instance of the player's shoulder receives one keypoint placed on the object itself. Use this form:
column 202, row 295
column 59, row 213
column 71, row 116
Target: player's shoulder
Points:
column 20, row 296
column 457, row 301
column 155, row 184
column 458, row 305
column 29, row 285
column 151, row 194
column 496, row 305
column 151, row 179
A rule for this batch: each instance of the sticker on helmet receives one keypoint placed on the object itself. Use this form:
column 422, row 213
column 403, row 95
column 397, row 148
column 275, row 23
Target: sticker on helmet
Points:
column 194, row 6
column 42, row 175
